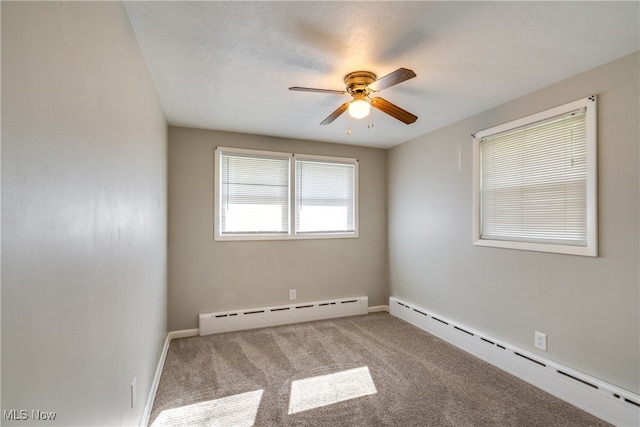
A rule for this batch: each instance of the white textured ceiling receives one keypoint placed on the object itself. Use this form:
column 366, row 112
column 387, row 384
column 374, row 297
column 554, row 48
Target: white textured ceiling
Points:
column 228, row 65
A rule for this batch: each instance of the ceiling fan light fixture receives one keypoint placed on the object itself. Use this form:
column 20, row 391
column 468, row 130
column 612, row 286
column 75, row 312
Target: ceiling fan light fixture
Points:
column 359, row 108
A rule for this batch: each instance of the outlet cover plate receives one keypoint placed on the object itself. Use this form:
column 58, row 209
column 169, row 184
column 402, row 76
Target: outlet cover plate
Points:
column 540, row 341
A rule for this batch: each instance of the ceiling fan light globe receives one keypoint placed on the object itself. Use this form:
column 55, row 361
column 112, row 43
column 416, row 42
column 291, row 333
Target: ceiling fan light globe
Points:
column 359, row 109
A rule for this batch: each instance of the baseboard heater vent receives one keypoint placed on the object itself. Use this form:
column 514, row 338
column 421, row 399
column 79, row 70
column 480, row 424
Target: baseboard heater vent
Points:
column 252, row 318
column 602, row 399
column 531, row 359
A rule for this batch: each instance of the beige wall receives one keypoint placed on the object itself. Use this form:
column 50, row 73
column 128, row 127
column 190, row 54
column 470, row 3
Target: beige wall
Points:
column 588, row 307
column 206, row 276
column 83, row 214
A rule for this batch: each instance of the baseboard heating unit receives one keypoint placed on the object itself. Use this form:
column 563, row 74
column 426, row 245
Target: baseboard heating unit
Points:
column 604, row 400
column 238, row 320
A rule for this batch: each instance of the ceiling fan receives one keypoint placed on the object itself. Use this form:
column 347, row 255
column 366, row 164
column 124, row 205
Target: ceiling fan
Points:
column 361, row 84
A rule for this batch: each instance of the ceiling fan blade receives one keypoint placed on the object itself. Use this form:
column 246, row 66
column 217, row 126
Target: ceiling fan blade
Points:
column 341, row 109
column 393, row 110
column 310, row 89
column 398, row 76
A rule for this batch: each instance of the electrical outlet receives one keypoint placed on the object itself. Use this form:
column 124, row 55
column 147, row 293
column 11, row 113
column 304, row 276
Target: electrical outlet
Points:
column 541, row 341
column 133, row 392
column 292, row 294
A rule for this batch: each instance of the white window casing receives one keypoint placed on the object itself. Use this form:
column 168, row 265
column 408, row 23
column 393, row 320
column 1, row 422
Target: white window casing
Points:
column 535, row 182
column 263, row 195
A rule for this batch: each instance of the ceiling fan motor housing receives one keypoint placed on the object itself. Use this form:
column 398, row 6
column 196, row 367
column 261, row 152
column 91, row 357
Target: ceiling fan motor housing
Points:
column 358, row 81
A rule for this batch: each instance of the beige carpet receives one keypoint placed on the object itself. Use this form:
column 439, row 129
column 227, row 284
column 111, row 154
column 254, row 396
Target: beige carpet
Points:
column 365, row 370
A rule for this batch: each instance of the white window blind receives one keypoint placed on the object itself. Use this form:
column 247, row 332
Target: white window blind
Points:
column 254, row 194
column 533, row 183
column 325, row 197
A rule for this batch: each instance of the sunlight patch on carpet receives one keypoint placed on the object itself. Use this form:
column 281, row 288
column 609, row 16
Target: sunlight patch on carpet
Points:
column 237, row 410
column 323, row 390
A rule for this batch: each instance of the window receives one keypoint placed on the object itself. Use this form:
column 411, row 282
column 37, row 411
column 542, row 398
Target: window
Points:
column 269, row 195
column 254, row 194
column 325, row 199
column 535, row 182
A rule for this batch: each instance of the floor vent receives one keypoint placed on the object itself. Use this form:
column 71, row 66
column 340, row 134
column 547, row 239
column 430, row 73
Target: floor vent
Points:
column 262, row 317
column 602, row 399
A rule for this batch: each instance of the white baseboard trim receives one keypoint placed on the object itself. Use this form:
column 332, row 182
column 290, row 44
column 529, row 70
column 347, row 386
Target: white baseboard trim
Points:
column 185, row 333
column 146, row 414
column 604, row 400
column 378, row 308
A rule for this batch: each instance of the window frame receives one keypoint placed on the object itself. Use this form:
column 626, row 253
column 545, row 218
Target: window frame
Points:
column 591, row 248
column 291, row 234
